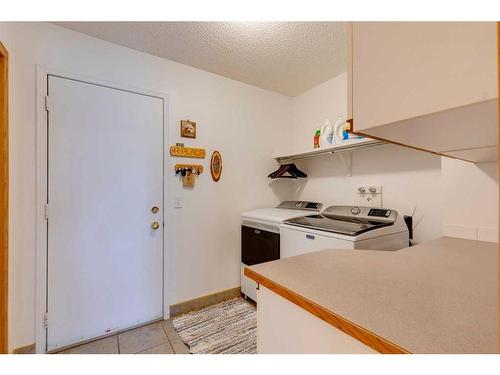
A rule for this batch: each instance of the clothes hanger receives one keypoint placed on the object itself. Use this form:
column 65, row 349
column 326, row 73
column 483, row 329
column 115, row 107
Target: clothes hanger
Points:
column 274, row 174
column 296, row 171
column 291, row 169
column 284, row 168
column 287, row 169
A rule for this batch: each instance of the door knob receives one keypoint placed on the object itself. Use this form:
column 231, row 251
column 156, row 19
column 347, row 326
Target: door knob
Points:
column 155, row 209
column 155, row 225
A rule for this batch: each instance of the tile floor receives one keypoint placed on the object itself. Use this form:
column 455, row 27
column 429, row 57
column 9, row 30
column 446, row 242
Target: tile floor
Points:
column 155, row 338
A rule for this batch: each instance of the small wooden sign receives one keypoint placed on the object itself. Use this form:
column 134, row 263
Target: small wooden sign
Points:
column 187, row 152
column 188, row 129
column 216, row 166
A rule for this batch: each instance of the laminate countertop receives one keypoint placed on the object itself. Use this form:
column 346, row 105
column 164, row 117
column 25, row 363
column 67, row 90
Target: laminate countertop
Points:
column 440, row 296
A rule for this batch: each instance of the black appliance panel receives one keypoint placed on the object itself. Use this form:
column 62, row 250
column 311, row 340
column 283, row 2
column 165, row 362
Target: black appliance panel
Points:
column 258, row 246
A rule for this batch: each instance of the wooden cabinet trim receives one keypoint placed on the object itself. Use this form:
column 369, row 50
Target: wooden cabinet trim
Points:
column 498, row 67
column 352, row 329
column 4, row 199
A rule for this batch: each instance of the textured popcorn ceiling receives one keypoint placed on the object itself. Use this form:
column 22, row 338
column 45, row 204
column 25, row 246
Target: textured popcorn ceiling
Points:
column 286, row 57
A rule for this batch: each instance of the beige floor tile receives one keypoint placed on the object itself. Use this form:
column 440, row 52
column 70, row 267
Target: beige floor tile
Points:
column 179, row 347
column 170, row 330
column 175, row 340
column 143, row 338
column 168, row 325
column 108, row 345
column 160, row 349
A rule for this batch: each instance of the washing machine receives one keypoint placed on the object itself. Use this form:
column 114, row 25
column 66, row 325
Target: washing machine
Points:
column 260, row 235
column 344, row 227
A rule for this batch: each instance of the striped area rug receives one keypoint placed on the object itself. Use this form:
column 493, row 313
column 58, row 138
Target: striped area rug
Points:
column 229, row 327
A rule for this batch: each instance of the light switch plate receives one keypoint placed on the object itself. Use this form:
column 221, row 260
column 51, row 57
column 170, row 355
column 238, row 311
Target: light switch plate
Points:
column 179, row 203
column 370, row 195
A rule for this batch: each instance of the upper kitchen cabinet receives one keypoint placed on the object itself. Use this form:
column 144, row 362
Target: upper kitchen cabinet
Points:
column 427, row 85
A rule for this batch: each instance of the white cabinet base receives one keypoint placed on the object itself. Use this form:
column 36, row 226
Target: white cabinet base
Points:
column 248, row 286
column 285, row 328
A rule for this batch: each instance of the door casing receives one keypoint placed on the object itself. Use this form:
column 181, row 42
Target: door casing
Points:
column 41, row 190
column 4, row 199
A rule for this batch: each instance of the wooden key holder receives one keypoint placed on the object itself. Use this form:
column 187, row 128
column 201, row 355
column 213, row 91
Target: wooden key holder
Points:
column 188, row 173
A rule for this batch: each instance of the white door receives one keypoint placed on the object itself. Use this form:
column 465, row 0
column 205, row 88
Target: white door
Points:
column 105, row 174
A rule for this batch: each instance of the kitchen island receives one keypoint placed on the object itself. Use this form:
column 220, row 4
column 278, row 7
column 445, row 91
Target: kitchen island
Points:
column 440, row 296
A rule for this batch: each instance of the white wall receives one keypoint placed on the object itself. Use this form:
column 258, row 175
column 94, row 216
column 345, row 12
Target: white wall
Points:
column 451, row 197
column 410, row 179
column 328, row 100
column 241, row 121
column 470, row 200
column 247, row 125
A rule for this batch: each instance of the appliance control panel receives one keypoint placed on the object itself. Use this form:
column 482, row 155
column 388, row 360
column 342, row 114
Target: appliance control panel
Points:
column 361, row 213
column 379, row 212
column 301, row 205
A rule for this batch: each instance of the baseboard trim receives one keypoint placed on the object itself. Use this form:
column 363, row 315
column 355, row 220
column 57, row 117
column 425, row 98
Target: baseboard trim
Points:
column 28, row 349
column 203, row 301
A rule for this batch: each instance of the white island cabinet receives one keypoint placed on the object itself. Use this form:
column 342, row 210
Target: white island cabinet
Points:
column 437, row 297
column 285, row 328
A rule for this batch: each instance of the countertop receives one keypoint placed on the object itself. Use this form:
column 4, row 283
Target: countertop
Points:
column 440, row 296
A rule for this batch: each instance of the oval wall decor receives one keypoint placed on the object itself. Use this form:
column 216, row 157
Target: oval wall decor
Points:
column 216, row 166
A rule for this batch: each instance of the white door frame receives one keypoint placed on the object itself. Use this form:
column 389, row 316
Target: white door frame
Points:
column 41, row 189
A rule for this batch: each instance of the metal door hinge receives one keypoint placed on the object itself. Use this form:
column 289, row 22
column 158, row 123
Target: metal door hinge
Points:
column 46, row 319
column 46, row 102
column 46, row 212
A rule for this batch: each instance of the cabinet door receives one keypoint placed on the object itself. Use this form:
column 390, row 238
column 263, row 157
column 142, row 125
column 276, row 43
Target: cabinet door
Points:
column 403, row 70
column 430, row 85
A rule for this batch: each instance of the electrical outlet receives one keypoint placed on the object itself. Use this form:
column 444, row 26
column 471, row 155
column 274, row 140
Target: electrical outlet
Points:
column 370, row 195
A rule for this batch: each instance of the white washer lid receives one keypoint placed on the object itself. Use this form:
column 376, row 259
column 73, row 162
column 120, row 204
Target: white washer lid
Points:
column 277, row 215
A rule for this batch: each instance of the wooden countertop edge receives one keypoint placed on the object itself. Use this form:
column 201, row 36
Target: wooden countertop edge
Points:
column 361, row 334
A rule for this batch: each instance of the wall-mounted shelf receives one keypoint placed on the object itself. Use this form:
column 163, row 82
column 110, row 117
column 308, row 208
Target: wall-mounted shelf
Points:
column 350, row 145
column 343, row 149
